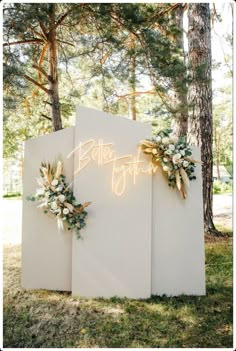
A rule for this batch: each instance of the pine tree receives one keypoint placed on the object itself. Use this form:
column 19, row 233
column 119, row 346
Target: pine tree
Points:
column 180, row 120
column 200, row 130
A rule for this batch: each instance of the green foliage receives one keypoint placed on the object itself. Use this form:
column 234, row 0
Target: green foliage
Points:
column 221, row 187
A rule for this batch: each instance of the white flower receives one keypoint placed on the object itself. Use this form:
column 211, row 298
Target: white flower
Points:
column 165, row 140
column 165, row 159
column 54, row 205
column 166, row 168
column 40, row 191
column 182, row 152
column 185, row 163
column 168, row 152
column 66, row 211
column 176, row 158
column 174, row 139
column 59, row 188
column 61, row 198
column 54, row 182
column 158, row 139
column 47, row 194
column 171, row 147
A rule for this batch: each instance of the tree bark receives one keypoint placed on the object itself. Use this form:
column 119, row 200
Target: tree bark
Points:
column 53, row 71
column 217, row 148
column 132, row 81
column 200, row 131
column 180, row 125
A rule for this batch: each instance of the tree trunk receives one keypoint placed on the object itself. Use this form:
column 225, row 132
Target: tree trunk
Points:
column 133, row 81
column 200, row 100
column 217, row 147
column 181, row 103
column 53, row 71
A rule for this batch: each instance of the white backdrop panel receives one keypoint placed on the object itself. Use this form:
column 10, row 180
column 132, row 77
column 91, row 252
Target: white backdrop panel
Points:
column 114, row 257
column 178, row 259
column 46, row 252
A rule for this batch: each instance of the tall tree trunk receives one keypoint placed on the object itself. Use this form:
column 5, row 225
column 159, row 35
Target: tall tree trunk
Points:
column 200, row 130
column 132, row 81
column 53, row 71
column 217, row 148
column 181, row 102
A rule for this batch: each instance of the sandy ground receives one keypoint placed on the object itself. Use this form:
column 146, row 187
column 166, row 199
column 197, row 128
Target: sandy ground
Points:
column 12, row 212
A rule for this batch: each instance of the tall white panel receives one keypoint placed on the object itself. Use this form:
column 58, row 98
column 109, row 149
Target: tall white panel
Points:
column 114, row 256
column 178, row 259
column 46, row 252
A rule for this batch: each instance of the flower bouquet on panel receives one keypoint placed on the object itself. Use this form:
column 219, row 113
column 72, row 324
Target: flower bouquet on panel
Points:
column 56, row 197
column 174, row 156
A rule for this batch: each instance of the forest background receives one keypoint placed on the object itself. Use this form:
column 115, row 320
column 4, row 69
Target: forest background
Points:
column 149, row 62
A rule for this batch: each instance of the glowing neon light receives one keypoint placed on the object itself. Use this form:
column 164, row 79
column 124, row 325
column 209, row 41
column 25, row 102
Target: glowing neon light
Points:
column 102, row 154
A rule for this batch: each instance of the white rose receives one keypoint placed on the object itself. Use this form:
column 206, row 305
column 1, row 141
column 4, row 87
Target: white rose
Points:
column 165, row 159
column 166, row 168
column 47, row 194
column 171, row 147
column 168, row 152
column 61, row 198
column 54, row 182
column 158, row 139
column 66, row 211
column 176, row 158
column 40, row 191
column 54, row 205
column 182, row 152
column 174, row 139
column 165, row 140
column 185, row 163
column 59, row 188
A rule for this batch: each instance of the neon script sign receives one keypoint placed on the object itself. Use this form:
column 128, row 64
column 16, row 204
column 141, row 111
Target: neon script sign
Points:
column 122, row 166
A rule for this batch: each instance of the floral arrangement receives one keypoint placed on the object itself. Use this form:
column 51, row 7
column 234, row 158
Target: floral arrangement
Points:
column 57, row 198
column 174, row 155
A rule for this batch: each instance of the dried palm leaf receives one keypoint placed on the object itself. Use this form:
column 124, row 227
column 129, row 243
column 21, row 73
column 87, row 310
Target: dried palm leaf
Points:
column 58, row 170
column 82, row 207
column 178, row 180
column 147, row 143
column 46, row 175
column 190, row 159
column 183, row 192
column 69, row 206
column 184, row 177
column 148, row 150
column 60, row 223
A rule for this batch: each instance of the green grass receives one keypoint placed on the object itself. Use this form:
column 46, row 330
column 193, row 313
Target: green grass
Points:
column 43, row 319
column 14, row 196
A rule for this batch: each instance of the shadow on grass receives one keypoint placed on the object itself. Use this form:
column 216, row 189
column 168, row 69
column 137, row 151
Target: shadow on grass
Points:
column 55, row 319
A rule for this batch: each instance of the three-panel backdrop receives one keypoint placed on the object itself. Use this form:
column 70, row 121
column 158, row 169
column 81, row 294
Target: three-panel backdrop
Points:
column 141, row 238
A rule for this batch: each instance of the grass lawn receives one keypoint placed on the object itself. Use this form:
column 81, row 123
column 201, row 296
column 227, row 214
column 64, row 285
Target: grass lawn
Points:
column 37, row 319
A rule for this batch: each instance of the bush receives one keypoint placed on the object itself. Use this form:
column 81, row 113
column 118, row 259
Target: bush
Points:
column 10, row 195
column 221, row 188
